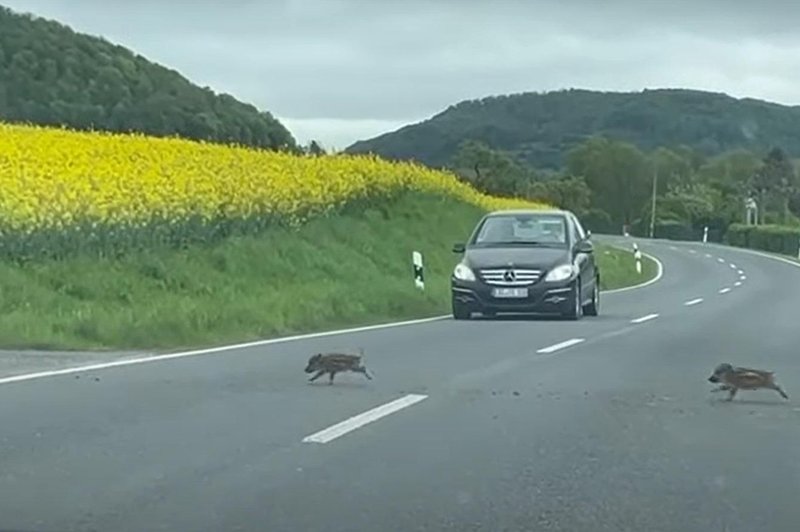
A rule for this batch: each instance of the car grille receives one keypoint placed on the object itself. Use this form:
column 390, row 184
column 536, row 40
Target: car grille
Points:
column 510, row 276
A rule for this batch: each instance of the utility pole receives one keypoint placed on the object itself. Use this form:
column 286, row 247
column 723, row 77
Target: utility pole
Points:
column 653, row 207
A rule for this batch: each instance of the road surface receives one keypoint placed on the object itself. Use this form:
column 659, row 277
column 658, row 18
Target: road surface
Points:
column 505, row 425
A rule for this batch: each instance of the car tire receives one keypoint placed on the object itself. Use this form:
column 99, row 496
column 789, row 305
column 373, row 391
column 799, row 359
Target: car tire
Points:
column 593, row 308
column 575, row 311
column 461, row 311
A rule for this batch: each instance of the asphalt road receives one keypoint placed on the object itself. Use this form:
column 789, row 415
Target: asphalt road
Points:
column 616, row 432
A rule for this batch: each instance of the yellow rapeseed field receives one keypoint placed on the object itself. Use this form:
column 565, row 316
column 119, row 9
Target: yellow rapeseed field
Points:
column 57, row 179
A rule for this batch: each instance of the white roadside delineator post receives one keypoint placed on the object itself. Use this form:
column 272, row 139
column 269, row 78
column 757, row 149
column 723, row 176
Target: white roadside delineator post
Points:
column 705, row 234
column 419, row 276
column 637, row 255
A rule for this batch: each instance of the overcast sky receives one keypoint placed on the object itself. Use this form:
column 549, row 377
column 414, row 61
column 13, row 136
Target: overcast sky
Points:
column 344, row 70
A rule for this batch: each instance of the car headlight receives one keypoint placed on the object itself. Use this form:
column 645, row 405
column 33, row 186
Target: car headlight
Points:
column 560, row 273
column 463, row 273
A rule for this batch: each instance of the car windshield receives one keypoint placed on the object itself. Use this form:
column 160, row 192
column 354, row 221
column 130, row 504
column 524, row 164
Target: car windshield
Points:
column 524, row 229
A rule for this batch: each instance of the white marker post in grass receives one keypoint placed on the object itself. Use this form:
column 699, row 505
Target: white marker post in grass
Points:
column 705, row 235
column 637, row 255
column 419, row 276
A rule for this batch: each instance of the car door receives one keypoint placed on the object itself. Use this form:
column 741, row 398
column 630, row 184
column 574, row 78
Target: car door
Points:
column 584, row 261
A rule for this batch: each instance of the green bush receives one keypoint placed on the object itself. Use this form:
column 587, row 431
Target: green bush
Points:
column 599, row 222
column 775, row 238
column 678, row 230
column 674, row 230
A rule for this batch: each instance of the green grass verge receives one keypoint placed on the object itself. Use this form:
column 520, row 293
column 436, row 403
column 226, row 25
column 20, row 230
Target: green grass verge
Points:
column 351, row 269
column 618, row 268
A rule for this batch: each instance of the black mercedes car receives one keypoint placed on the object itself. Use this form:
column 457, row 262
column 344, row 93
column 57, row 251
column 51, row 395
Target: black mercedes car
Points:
column 527, row 261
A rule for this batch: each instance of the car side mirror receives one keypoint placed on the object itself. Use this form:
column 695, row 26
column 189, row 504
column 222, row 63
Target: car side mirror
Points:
column 584, row 246
column 459, row 248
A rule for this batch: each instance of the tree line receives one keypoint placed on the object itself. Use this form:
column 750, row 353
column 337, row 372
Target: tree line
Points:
column 541, row 128
column 610, row 184
column 51, row 75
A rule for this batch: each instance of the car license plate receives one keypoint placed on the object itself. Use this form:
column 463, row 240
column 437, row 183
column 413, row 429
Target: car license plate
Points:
column 510, row 292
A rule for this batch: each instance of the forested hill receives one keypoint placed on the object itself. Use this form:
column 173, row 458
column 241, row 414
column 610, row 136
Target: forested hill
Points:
column 540, row 128
column 51, row 75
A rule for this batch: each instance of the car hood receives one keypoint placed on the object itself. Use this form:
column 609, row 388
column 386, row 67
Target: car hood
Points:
column 502, row 257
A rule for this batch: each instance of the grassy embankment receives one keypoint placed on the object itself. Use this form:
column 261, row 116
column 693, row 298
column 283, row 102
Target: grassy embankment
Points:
column 618, row 268
column 131, row 242
column 351, row 269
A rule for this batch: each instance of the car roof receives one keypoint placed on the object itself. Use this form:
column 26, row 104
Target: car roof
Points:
column 514, row 212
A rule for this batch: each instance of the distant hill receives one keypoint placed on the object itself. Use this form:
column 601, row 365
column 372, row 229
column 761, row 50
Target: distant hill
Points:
column 51, row 75
column 541, row 128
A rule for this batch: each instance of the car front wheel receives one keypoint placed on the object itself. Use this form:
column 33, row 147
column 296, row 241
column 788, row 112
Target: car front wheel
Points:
column 575, row 311
column 593, row 308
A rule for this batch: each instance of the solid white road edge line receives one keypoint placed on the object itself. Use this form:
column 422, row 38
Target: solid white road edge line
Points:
column 659, row 275
column 210, row 350
column 645, row 318
column 561, row 345
column 694, row 302
column 258, row 343
column 358, row 421
column 724, row 290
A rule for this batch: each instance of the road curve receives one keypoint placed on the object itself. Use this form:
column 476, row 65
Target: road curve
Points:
column 603, row 424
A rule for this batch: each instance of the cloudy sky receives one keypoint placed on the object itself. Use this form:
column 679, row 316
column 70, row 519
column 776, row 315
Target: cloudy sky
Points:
column 343, row 70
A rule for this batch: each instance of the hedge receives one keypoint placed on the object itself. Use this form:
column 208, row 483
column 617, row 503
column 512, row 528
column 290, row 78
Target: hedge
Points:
column 775, row 238
column 676, row 230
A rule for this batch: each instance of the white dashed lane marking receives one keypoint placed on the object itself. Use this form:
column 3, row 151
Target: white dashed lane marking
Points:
column 724, row 290
column 693, row 302
column 561, row 345
column 737, row 283
column 645, row 318
column 355, row 422
column 720, row 260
